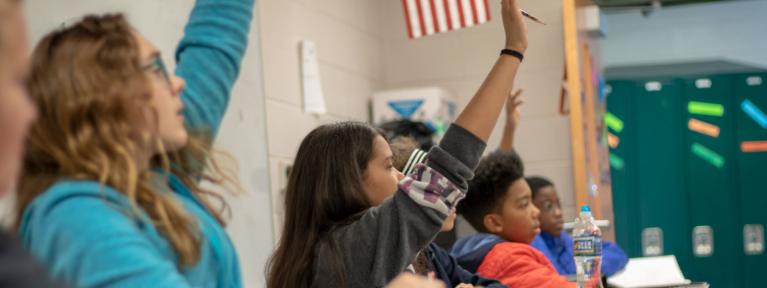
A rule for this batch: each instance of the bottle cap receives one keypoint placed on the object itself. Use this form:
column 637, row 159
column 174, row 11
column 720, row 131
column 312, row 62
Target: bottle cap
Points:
column 585, row 208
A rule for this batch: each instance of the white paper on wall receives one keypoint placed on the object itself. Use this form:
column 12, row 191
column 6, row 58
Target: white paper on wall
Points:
column 314, row 100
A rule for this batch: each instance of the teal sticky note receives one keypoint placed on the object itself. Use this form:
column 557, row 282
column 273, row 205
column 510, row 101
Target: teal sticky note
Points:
column 754, row 112
column 707, row 155
column 616, row 162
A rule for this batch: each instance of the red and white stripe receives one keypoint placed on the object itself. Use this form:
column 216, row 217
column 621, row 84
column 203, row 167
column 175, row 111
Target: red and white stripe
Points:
column 427, row 17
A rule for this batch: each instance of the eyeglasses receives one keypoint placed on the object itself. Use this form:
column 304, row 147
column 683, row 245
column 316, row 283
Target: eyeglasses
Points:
column 156, row 65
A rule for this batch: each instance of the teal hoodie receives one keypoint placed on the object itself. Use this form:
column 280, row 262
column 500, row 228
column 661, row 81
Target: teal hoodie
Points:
column 88, row 235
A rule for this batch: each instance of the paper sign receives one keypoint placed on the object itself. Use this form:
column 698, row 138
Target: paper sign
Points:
column 754, row 112
column 703, row 127
column 613, row 122
column 706, row 109
column 753, row 146
column 660, row 271
column 613, row 140
column 616, row 162
column 707, row 155
column 314, row 101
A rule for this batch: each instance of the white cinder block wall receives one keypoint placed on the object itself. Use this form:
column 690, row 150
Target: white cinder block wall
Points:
column 459, row 62
column 346, row 33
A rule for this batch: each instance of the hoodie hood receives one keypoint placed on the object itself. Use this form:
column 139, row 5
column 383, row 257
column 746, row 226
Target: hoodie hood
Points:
column 471, row 251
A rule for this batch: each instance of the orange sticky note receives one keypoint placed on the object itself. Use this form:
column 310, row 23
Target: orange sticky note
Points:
column 753, row 146
column 613, row 140
column 703, row 127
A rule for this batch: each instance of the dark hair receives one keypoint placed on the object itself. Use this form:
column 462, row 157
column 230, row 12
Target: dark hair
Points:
column 401, row 148
column 324, row 192
column 492, row 178
column 418, row 131
column 537, row 183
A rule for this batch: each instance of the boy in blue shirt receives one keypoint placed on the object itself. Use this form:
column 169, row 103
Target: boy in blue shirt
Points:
column 556, row 244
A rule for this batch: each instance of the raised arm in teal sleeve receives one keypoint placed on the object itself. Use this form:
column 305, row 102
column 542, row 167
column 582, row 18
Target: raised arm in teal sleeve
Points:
column 208, row 59
column 85, row 240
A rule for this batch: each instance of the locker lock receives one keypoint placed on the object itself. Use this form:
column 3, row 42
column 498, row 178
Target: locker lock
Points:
column 753, row 239
column 703, row 241
column 652, row 241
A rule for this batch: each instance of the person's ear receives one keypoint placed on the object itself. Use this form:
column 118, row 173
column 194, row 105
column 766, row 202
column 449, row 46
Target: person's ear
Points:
column 493, row 223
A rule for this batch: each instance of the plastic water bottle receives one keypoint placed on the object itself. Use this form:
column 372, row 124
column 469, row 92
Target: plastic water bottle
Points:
column 587, row 249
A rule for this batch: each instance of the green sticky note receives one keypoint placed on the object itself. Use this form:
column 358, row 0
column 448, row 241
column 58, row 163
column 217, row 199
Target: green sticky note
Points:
column 616, row 162
column 708, row 155
column 705, row 108
column 613, row 122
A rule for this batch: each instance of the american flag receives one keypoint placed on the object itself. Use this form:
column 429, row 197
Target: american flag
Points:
column 427, row 17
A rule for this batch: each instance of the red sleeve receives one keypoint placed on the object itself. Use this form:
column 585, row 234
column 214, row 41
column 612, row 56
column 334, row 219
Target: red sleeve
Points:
column 521, row 266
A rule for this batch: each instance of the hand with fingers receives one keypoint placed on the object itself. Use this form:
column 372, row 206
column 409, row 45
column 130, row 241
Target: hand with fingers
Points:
column 515, row 27
column 512, row 119
column 512, row 109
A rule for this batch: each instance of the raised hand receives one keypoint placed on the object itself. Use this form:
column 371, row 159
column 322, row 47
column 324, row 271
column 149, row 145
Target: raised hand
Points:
column 512, row 109
column 512, row 119
column 515, row 27
column 481, row 113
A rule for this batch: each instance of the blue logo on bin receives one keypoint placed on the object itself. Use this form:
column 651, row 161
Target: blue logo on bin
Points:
column 405, row 108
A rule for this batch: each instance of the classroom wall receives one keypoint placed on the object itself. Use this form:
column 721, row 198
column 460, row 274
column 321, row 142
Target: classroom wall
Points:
column 459, row 61
column 731, row 30
column 362, row 47
column 346, row 33
column 243, row 129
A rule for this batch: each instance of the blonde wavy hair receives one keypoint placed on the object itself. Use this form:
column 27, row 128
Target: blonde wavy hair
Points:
column 88, row 84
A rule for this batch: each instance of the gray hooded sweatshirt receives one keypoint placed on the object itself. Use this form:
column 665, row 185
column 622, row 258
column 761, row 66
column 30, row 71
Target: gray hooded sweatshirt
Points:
column 380, row 245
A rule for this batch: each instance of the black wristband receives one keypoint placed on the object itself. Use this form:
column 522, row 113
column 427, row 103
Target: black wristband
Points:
column 513, row 53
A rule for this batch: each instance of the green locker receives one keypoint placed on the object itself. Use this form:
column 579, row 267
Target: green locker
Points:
column 710, row 182
column 649, row 183
column 694, row 164
column 751, row 90
column 660, row 169
column 620, row 104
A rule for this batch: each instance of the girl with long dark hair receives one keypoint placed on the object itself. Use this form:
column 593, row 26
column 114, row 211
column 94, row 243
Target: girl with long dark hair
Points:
column 352, row 220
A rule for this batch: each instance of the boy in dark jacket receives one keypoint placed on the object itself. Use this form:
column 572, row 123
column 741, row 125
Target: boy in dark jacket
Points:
column 501, row 208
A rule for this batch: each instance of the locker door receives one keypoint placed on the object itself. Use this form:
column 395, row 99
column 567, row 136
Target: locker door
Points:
column 620, row 125
column 712, row 194
column 751, row 92
column 660, row 168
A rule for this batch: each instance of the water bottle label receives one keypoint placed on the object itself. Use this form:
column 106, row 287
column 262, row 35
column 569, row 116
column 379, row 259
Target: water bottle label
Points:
column 587, row 246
